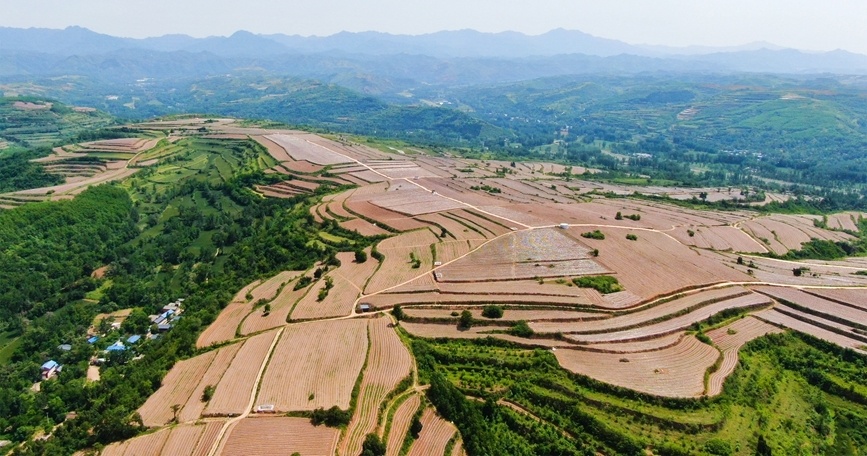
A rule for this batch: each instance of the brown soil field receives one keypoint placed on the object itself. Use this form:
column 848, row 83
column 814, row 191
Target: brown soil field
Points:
column 268, row 289
column 432, row 331
column 719, row 238
column 99, row 272
column 777, row 318
column 117, row 316
column 177, row 387
column 729, row 339
column 681, row 304
column 657, row 343
column 397, row 267
column 675, row 324
column 339, row 302
column 435, row 435
column 363, row 227
column 828, row 273
column 388, row 363
column 147, row 445
column 527, row 254
column 451, row 250
column 322, row 359
column 348, row 280
column 414, row 201
column 233, row 391
column 194, row 406
column 184, row 440
column 521, row 287
column 845, row 221
column 787, row 232
column 857, row 298
column 816, row 304
column 299, row 148
column 224, row 327
column 677, row 371
column 509, row 315
column 400, row 425
column 657, row 264
column 302, row 166
column 458, row 230
column 390, row 218
column 274, row 149
column 281, row 306
column 369, row 176
column 388, row 300
column 267, row 436
column 208, row 438
column 486, row 222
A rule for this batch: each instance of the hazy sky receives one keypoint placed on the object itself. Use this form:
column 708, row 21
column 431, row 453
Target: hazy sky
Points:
column 803, row 24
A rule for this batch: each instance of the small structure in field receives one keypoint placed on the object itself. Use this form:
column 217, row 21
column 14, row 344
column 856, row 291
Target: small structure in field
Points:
column 364, row 307
column 49, row 369
column 564, row 226
column 265, row 408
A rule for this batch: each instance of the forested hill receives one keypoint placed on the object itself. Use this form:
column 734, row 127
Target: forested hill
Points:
column 50, row 248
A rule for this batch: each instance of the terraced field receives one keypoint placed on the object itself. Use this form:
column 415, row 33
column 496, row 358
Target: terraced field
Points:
column 447, row 245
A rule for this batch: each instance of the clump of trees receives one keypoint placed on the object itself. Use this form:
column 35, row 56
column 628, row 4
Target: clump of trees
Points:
column 604, row 283
column 595, row 234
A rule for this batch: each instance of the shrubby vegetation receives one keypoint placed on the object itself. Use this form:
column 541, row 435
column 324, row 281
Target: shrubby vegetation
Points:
column 812, row 393
column 604, row 284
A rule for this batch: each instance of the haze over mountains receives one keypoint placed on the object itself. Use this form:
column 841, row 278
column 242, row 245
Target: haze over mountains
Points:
column 449, row 57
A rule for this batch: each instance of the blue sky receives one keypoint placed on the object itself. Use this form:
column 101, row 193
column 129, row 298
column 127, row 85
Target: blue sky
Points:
column 808, row 25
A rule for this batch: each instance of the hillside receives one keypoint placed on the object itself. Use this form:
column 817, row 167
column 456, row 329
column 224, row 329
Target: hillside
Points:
column 328, row 291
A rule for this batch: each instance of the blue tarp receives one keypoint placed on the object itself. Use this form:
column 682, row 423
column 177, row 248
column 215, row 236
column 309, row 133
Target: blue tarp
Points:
column 93, row 339
column 117, row 346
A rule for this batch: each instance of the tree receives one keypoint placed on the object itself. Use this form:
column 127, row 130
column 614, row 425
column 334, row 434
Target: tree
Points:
column 175, row 409
column 415, row 427
column 397, row 311
column 740, row 260
column 137, row 322
column 360, row 256
column 372, row 446
column 492, row 312
column 619, row 216
column 466, row 320
column 267, row 310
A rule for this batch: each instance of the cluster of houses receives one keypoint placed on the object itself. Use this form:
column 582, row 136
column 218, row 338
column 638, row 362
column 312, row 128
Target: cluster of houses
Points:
column 163, row 321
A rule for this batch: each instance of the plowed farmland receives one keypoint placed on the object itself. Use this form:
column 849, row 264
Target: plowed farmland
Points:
column 400, row 424
column 233, row 392
column 729, row 339
column 434, row 436
column 387, row 364
column 677, row 371
column 280, row 435
column 315, row 365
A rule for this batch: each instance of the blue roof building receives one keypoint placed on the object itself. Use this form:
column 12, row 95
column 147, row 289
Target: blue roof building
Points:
column 92, row 339
column 117, row 346
column 48, row 365
column 133, row 339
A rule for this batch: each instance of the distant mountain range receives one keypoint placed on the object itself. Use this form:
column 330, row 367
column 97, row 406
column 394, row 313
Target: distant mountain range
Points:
column 449, row 58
